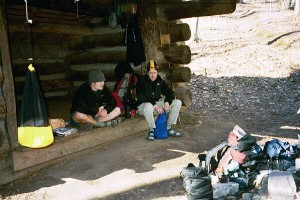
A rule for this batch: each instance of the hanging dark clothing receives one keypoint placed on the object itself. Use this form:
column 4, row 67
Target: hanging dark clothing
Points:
column 133, row 40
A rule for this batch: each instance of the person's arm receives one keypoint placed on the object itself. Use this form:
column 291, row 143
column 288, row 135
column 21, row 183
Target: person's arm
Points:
column 167, row 92
column 109, row 100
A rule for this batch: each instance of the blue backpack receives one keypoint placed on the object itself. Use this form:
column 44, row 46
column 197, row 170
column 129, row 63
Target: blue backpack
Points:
column 160, row 132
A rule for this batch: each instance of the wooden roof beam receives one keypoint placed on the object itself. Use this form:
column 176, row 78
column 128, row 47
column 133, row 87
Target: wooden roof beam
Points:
column 52, row 28
column 201, row 8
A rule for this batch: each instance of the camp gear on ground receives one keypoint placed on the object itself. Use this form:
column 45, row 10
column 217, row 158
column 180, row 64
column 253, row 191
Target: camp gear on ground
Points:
column 197, row 182
column 34, row 129
column 64, row 131
column 240, row 140
column 280, row 149
column 281, row 185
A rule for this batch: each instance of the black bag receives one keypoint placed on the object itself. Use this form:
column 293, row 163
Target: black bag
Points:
column 197, row 183
column 246, row 143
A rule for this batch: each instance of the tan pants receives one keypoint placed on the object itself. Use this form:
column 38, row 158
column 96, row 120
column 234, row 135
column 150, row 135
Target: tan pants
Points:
column 146, row 109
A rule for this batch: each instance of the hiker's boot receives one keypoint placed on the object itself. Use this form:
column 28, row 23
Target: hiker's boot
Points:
column 173, row 133
column 150, row 135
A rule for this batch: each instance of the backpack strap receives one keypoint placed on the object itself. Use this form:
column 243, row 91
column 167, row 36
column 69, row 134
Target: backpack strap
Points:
column 212, row 152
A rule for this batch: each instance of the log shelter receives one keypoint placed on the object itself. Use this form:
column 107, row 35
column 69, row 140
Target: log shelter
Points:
column 66, row 41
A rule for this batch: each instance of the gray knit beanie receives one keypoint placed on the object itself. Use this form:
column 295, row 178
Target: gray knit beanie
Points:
column 96, row 75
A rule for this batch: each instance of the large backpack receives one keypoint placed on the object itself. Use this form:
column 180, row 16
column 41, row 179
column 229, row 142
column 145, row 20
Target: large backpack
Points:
column 126, row 84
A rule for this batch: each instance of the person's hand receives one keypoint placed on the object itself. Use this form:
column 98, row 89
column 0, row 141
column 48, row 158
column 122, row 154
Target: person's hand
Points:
column 158, row 109
column 166, row 106
column 102, row 112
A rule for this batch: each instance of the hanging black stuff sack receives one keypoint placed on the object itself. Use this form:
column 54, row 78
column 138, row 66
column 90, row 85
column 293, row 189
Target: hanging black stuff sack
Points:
column 197, row 183
column 34, row 129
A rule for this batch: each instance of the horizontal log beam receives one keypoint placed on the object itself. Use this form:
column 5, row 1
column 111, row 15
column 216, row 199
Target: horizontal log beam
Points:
column 46, row 86
column 185, row 95
column 50, row 94
column 67, row 29
column 89, row 42
column 188, row 9
column 113, row 55
column 179, row 32
column 175, row 74
column 194, row 2
column 109, row 84
column 80, row 72
column 175, row 54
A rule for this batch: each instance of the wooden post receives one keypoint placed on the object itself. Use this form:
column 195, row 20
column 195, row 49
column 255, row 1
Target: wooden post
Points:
column 149, row 28
column 8, row 85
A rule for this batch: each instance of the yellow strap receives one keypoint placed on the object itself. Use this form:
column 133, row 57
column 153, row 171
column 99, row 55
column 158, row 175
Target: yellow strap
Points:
column 31, row 68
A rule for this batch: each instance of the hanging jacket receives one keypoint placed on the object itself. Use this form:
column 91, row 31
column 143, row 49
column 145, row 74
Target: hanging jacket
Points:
column 88, row 101
column 152, row 91
column 133, row 39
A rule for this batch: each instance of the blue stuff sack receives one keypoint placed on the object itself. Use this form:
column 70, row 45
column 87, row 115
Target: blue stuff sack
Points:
column 161, row 132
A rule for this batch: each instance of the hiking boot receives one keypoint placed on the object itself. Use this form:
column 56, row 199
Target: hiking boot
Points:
column 85, row 127
column 172, row 133
column 120, row 119
column 150, row 135
column 112, row 122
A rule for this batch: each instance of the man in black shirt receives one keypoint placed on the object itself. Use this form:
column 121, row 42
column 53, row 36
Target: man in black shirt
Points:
column 93, row 103
column 149, row 90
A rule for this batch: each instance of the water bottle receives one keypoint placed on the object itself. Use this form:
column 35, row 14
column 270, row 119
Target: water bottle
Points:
column 127, row 112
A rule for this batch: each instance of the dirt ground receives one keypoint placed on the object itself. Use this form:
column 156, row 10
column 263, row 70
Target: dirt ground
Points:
column 134, row 168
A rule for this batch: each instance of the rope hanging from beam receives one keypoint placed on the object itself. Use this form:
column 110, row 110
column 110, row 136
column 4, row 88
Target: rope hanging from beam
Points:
column 29, row 32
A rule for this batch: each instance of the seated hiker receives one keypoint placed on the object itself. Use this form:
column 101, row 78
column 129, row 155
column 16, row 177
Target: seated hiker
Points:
column 149, row 90
column 93, row 104
column 125, row 85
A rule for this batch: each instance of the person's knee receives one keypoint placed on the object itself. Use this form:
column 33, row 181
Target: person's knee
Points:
column 117, row 111
column 177, row 103
column 77, row 116
column 148, row 107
